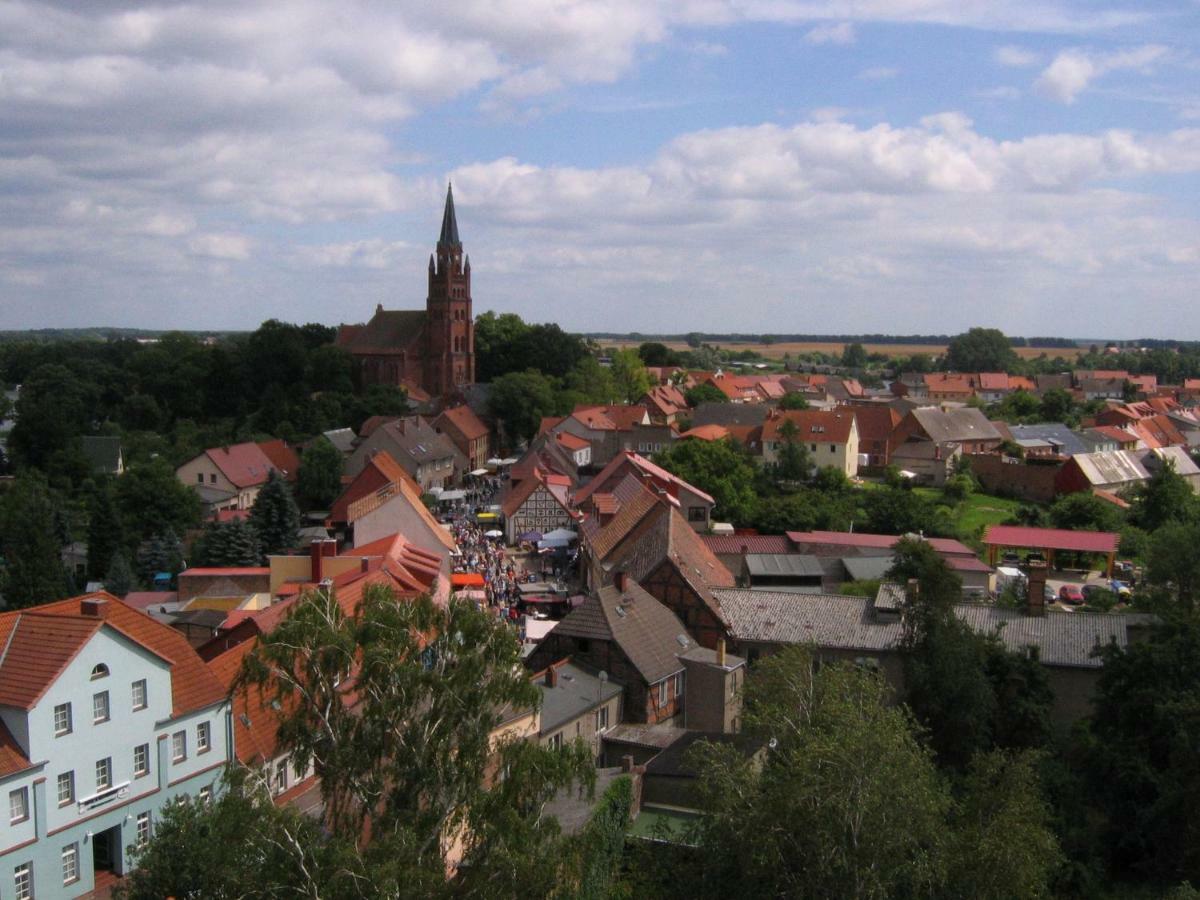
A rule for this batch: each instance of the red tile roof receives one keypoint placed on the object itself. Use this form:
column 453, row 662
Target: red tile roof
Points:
column 706, row 433
column 861, row 539
column 57, row 631
column 12, row 757
column 730, row 544
column 812, row 425
column 993, row 381
column 282, row 457
column 1051, row 538
column 465, row 420
column 625, row 461
column 571, row 441
column 245, row 465
column 230, row 572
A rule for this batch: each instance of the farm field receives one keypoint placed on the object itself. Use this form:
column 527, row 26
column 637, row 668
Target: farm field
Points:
column 777, row 350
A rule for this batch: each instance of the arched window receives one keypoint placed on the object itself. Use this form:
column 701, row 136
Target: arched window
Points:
column 100, row 670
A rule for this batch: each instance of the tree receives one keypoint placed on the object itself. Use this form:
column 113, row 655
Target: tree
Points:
column 1058, row 406
column 120, row 579
column 1173, row 561
column 794, row 463
column 1084, row 511
column 411, row 756
column 232, row 543
column 519, row 400
column 793, row 400
column 898, row 510
column 151, row 500
column 106, row 533
column 720, row 469
column 854, row 356
column 319, row 480
column 704, row 393
column 653, row 353
column 275, row 516
column 161, row 553
column 981, row 350
column 630, row 377
column 823, row 824
column 1165, row 497
column 32, row 547
column 53, row 410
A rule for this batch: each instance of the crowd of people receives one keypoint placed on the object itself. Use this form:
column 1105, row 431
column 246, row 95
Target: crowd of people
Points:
column 487, row 557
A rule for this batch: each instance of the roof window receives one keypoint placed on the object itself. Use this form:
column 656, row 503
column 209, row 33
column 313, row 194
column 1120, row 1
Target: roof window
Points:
column 100, row 670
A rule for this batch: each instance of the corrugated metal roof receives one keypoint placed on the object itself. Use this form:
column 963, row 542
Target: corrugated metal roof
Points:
column 783, row 565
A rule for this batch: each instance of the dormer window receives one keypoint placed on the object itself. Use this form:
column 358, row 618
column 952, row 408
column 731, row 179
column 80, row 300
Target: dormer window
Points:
column 100, row 670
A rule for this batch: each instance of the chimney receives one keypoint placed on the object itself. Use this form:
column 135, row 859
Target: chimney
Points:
column 1036, row 585
column 316, row 552
column 721, row 652
column 621, row 580
column 94, row 607
column 627, row 764
column 551, row 677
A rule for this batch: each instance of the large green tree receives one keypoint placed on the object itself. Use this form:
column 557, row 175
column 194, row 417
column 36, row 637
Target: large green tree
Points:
column 319, row 480
column 981, row 350
column 410, row 759
column 32, row 545
column 275, row 516
column 54, row 408
column 233, row 543
column 630, row 377
column 519, row 400
column 152, row 500
column 719, row 468
column 1165, row 497
column 106, row 532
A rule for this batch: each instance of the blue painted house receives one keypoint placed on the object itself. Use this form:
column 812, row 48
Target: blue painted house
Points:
column 105, row 717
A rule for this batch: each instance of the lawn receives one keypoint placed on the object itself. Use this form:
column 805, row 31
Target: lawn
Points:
column 978, row 511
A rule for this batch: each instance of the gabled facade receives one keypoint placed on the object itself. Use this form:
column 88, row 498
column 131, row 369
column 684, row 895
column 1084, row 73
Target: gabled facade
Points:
column 231, row 477
column 830, row 436
column 106, row 716
column 428, row 457
column 467, row 433
column 539, row 503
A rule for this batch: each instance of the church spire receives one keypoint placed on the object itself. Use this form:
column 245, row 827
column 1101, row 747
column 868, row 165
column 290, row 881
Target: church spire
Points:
column 449, row 235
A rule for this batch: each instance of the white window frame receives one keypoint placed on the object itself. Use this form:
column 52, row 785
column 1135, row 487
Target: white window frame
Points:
column 62, row 719
column 141, row 767
column 104, row 765
column 23, row 881
column 203, row 737
column 205, row 795
column 179, row 747
column 279, row 780
column 65, row 779
column 602, row 719
column 556, row 741
column 138, row 694
column 18, row 806
column 662, row 693
column 100, row 708
column 142, row 834
column 70, row 863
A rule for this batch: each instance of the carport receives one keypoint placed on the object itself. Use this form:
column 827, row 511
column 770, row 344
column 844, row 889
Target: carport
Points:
column 1051, row 540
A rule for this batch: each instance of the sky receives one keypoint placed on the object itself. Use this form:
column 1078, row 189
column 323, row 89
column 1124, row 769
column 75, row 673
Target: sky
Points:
column 814, row 166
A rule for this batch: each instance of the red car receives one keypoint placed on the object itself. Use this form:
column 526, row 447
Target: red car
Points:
column 1071, row 594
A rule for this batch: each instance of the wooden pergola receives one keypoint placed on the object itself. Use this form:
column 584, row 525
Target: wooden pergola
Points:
column 1051, row 540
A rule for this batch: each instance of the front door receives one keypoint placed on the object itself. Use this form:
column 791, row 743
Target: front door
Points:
column 106, row 850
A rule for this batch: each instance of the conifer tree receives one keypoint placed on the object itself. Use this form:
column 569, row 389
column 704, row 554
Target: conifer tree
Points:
column 33, row 571
column 275, row 516
column 228, row 544
column 120, row 578
column 106, row 533
column 320, row 478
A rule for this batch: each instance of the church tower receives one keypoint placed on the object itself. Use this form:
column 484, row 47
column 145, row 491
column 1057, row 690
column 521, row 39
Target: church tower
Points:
column 450, row 354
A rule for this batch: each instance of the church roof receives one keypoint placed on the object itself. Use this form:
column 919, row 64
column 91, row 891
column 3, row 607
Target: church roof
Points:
column 388, row 330
column 449, row 234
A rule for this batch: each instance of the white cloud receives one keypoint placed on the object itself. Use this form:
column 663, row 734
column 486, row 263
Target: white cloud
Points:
column 879, row 73
column 1016, row 57
column 220, row 246
column 1073, row 70
column 840, row 33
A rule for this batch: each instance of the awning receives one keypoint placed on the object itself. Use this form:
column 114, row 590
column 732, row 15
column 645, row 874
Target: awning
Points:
column 478, row 472
column 561, row 534
column 486, row 517
column 531, row 536
column 509, row 461
column 495, row 461
column 466, row 580
column 548, row 542
column 494, row 533
column 452, row 495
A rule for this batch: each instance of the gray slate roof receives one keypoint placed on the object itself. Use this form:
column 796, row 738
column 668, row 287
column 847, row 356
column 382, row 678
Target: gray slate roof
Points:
column 729, row 414
column 866, row 568
column 840, row 622
column 342, row 438
column 964, row 424
column 1064, row 440
column 648, row 633
column 578, row 690
column 793, row 565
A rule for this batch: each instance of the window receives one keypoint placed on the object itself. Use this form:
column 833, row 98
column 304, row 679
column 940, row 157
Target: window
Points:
column 556, row 742
column 100, row 670
column 139, row 695
column 200, row 478
column 678, row 685
column 66, row 788
column 662, row 693
column 212, row 479
column 299, row 772
column 23, row 881
column 179, row 746
column 141, row 760
column 203, row 737
column 70, row 863
column 696, row 514
column 104, row 773
column 18, row 805
column 100, row 707
column 205, row 795
column 62, row 719
column 281, row 776
column 143, row 829
column 601, row 719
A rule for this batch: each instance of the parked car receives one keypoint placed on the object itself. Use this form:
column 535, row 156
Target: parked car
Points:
column 1071, row 595
column 1121, row 589
column 1010, row 559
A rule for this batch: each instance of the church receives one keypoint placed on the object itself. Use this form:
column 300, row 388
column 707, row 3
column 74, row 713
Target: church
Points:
column 432, row 349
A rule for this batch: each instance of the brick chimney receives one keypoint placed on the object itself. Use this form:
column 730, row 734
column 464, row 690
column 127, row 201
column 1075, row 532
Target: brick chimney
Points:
column 94, row 607
column 621, row 580
column 1036, row 585
column 721, row 652
column 551, row 677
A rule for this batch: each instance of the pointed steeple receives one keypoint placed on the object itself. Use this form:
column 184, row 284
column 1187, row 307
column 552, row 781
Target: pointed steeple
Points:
column 449, row 235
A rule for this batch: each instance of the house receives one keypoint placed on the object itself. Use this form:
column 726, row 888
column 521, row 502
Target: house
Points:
column 624, row 631
column 928, row 439
column 876, row 424
column 830, row 436
column 866, row 631
column 467, row 433
column 430, row 458
column 539, row 503
column 950, row 386
column 104, row 453
column 578, row 702
column 1118, row 470
column 380, row 474
column 836, row 549
column 343, row 439
column 665, row 403
column 106, row 717
column 397, row 510
column 648, row 541
column 611, row 429
column 231, row 477
column 693, row 503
